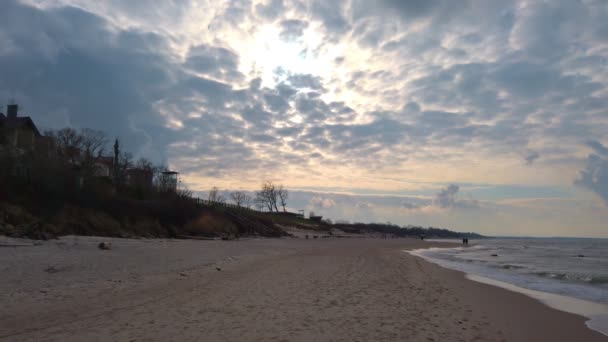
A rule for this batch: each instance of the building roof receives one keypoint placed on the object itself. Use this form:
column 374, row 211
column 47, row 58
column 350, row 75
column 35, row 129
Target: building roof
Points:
column 20, row 122
column 139, row 170
column 108, row 161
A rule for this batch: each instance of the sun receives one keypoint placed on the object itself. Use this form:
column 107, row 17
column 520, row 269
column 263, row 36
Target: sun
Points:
column 272, row 57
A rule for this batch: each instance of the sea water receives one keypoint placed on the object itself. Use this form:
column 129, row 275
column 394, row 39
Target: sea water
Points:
column 569, row 274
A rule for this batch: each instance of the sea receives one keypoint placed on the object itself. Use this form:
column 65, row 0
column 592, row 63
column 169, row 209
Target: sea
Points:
column 568, row 274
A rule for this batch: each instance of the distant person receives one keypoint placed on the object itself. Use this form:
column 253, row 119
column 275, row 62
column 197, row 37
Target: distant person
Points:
column 465, row 241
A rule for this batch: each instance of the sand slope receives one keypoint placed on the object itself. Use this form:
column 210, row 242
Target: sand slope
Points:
column 266, row 290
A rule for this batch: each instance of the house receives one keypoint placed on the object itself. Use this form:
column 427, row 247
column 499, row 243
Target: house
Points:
column 104, row 166
column 141, row 178
column 315, row 218
column 290, row 214
column 18, row 132
column 168, row 181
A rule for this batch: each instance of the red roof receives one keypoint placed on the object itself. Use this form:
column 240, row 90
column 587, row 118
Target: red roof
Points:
column 108, row 161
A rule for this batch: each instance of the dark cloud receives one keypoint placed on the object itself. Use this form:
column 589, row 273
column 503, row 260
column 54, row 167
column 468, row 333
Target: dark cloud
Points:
column 311, row 107
column 69, row 68
column 331, row 15
column 212, row 93
column 270, row 9
column 526, row 79
column 292, row 29
column 234, row 13
column 598, row 148
column 214, row 61
column 406, row 9
column 594, row 176
column 531, row 156
column 257, row 116
column 276, row 102
column 548, row 29
column 289, row 131
column 305, row 81
column 448, row 198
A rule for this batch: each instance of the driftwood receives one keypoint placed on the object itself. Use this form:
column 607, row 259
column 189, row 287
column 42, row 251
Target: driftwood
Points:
column 105, row 245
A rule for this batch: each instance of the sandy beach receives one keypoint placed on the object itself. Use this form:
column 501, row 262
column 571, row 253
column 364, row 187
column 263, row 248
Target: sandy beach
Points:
column 258, row 290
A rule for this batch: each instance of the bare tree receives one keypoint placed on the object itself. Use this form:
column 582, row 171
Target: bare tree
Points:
column 125, row 162
column 241, row 199
column 115, row 172
column 92, row 145
column 80, row 148
column 283, row 194
column 216, row 196
column 267, row 196
column 258, row 205
column 68, row 142
column 145, row 164
column 221, row 199
column 73, row 144
column 247, row 202
column 92, row 142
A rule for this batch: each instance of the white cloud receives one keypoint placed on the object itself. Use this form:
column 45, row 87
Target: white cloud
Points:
column 320, row 202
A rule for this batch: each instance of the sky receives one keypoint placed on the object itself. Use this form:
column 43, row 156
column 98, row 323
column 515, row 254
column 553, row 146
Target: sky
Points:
column 486, row 116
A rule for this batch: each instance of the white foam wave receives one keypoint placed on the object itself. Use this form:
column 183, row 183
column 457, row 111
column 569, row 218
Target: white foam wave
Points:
column 596, row 313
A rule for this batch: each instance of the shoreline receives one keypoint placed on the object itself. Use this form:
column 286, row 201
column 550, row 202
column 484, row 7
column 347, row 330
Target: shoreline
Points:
column 539, row 321
column 595, row 314
column 259, row 289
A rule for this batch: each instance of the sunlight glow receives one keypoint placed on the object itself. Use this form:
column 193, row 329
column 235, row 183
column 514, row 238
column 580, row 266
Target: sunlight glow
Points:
column 272, row 56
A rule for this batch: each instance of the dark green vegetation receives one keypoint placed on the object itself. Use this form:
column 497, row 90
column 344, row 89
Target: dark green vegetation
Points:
column 66, row 183
column 407, row 231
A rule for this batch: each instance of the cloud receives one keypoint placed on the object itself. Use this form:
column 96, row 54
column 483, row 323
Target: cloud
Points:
column 344, row 93
column 598, row 148
column 269, row 9
column 410, row 206
column 594, row 176
column 531, row 156
column 448, row 198
column 79, row 72
column 292, row 29
column 299, row 81
column 331, row 14
column 320, row 202
column 364, row 205
column 214, row 61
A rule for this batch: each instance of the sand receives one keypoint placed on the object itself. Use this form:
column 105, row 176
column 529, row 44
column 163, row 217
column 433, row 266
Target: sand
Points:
column 258, row 290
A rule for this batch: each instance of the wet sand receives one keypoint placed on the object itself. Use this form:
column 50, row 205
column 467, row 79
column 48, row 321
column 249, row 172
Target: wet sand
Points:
column 258, row 290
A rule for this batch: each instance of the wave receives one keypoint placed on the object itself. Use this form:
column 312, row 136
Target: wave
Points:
column 599, row 280
column 513, row 267
column 584, row 296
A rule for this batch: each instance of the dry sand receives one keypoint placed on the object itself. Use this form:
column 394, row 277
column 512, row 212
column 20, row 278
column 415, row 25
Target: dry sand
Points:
column 258, row 290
